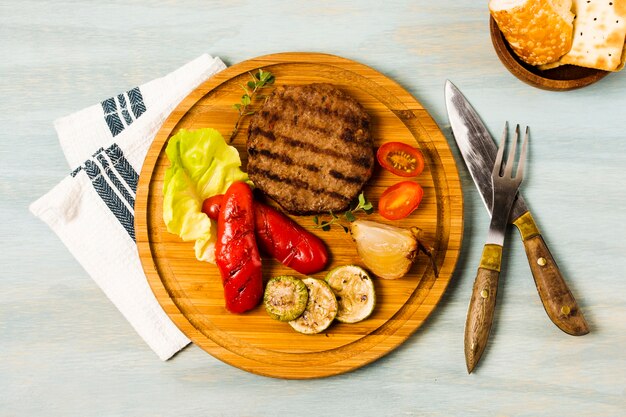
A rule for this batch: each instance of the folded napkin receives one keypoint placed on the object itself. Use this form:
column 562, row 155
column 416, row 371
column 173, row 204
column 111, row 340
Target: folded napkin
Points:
column 92, row 209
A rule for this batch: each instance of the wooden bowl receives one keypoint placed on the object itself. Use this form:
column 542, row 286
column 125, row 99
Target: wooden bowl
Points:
column 565, row 77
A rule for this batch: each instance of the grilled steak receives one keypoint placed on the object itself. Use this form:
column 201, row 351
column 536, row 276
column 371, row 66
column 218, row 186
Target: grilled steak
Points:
column 309, row 148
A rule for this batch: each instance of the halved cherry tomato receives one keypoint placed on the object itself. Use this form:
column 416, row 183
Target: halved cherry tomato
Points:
column 400, row 159
column 399, row 200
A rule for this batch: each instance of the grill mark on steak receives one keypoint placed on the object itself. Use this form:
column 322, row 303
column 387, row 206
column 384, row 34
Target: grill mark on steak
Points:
column 347, row 117
column 287, row 162
column 362, row 161
column 285, row 159
column 272, row 155
column 349, row 136
column 346, row 178
column 255, row 131
column 309, row 148
column 311, row 167
column 300, row 184
column 272, row 176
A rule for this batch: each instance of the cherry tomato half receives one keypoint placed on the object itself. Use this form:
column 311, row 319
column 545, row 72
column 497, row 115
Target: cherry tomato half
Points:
column 400, row 159
column 399, row 200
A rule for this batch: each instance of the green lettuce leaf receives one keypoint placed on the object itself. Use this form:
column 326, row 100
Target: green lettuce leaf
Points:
column 201, row 165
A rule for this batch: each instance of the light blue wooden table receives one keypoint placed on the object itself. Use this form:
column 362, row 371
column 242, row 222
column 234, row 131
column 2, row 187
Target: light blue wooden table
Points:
column 64, row 348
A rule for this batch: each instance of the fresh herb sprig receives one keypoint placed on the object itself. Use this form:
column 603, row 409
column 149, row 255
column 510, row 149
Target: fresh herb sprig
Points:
column 251, row 89
column 361, row 204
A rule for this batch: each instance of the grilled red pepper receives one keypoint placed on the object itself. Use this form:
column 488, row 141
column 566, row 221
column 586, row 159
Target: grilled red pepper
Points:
column 281, row 237
column 236, row 251
column 288, row 242
column 212, row 205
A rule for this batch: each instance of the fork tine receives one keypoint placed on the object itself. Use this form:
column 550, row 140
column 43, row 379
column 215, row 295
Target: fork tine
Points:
column 522, row 157
column 508, row 171
column 497, row 165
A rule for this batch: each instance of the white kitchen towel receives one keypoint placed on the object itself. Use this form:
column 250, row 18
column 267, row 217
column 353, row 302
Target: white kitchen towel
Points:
column 92, row 209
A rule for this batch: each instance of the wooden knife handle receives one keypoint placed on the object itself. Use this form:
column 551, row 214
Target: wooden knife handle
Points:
column 556, row 297
column 482, row 305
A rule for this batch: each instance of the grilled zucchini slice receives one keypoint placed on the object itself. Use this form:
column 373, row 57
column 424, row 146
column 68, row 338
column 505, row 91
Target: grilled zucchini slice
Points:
column 321, row 308
column 285, row 298
column 355, row 293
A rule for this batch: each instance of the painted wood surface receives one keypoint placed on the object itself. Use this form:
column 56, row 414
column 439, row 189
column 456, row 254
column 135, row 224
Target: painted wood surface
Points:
column 65, row 350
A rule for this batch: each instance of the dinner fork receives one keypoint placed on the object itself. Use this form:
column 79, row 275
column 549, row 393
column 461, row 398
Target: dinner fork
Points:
column 483, row 301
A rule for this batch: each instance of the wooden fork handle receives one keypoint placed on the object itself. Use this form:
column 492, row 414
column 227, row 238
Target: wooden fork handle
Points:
column 482, row 305
column 555, row 295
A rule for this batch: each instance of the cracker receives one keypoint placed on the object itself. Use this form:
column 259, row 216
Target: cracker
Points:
column 599, row 35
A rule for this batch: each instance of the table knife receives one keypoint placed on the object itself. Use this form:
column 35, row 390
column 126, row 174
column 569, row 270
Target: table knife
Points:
column 478, row 149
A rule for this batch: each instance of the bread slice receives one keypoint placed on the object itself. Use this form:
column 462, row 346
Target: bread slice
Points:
column 599, row 35
column 539, row 31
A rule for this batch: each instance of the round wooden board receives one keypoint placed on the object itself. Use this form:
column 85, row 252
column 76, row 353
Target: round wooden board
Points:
column 191, row 291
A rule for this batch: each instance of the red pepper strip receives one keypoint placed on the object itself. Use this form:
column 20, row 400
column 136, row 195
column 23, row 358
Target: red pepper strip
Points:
column 236, row 250
column 212, row 205
column 288, row 242
column 281, row 237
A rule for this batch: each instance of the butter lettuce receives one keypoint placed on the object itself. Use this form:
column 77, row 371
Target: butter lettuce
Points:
column 202, row 164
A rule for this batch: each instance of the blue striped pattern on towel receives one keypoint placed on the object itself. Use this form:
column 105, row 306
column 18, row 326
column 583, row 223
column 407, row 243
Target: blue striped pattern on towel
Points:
column 116, row 113
column 115, row 181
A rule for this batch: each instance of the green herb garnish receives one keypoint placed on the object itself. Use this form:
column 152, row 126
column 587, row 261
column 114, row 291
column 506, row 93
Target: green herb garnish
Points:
column 361, row 204
column 251, row 88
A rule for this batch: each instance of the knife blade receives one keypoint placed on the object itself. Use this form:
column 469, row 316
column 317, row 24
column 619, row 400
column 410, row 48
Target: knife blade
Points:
column 478, row 150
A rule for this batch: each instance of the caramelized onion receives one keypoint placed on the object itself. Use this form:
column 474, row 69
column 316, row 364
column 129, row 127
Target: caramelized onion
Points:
column 387, row 251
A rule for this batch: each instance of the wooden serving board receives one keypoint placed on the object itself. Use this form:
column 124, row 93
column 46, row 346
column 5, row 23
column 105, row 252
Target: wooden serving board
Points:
column 191, row 291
